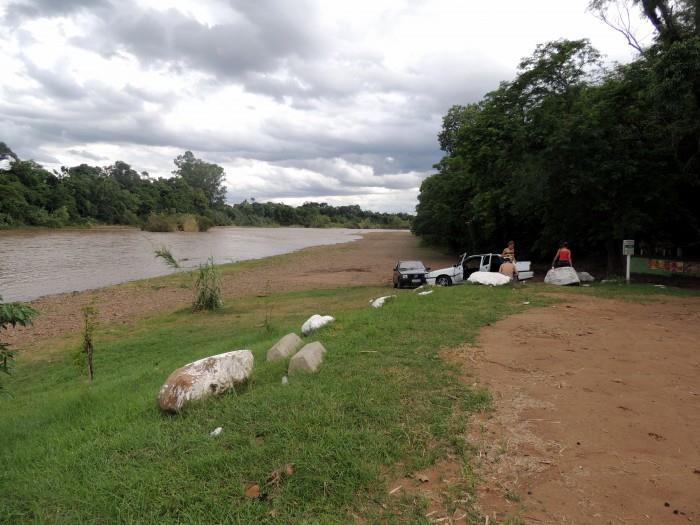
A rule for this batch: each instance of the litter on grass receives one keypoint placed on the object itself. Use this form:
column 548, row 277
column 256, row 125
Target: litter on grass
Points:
column 315, row 322
column 425, row 293
column 489, row 278
column 285, row 380
column 216, row 431
column 379, row 302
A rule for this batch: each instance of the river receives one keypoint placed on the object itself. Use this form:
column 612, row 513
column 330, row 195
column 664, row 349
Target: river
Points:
column 34, row 264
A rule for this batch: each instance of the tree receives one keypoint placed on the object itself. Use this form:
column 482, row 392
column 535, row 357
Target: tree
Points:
column 12, row 314
column 202, row 175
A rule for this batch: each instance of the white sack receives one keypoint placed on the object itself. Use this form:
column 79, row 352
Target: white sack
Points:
column 315, row 322
column 562, row 276
column 379, row 302
column 489, row 278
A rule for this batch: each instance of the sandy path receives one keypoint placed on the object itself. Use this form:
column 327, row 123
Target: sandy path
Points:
column 364, row 262
column 597, row 413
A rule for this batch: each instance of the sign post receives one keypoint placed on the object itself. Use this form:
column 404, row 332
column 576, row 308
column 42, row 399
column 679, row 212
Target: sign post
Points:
column 628, row 251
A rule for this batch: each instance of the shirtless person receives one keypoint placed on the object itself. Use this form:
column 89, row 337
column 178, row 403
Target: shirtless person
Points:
column 509, row 251
column 508, row 269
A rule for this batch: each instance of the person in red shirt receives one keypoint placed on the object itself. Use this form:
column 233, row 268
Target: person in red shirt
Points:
column 563, row 256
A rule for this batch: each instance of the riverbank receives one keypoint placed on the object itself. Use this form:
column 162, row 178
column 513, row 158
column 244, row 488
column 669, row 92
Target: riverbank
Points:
column 364, row 262
column 397, row 427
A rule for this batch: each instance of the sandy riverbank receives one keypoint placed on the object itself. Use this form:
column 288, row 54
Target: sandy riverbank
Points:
column 367, row 261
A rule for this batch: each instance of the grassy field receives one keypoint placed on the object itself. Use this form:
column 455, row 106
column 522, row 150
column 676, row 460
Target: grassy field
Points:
column 383, row 404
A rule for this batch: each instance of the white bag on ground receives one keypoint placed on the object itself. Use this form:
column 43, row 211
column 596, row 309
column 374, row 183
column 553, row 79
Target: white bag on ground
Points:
column 315, row 322
column 489, row 278
column 379, row 302
column 585, row 277
column 562, row 276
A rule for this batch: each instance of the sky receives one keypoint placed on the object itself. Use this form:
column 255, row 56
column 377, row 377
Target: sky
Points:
column 298, row 100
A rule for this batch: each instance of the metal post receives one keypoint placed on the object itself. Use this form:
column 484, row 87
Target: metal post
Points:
column 627, row 274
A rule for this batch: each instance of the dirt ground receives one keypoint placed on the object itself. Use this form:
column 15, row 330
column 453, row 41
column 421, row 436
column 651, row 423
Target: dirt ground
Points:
column 368, row 261
column 596, row 413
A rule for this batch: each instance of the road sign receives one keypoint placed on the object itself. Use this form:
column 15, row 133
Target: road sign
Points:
column 628, row 247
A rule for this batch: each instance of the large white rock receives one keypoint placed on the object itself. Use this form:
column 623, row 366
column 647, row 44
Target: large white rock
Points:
column 585, row 277
column 562, row 276
column 284, row 347
column 489, row 278
column 308, row 359
column 315, row 322
column 209, row 376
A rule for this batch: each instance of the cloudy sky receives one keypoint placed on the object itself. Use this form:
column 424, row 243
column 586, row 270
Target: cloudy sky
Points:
column 298, row 99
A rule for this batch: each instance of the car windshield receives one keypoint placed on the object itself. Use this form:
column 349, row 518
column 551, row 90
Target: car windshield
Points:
column 411, row 265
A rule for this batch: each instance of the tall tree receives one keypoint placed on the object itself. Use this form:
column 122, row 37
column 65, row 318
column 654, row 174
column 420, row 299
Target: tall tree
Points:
column 202, row 175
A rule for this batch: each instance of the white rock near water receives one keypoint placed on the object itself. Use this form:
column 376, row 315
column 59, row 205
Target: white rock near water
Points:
column 284, row 347
column 489, row 278
column 209, row 376
column 315, row 322
column 562, row 276
column 308, row 359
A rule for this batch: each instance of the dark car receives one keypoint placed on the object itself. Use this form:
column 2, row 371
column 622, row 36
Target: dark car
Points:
column 409, row 274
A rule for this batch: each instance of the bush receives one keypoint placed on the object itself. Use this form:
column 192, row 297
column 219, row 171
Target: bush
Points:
column 160, row 222
column 207, row 288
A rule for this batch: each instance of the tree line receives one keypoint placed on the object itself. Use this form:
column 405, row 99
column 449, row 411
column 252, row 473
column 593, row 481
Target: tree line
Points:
column 572, row 150
column 31, row 195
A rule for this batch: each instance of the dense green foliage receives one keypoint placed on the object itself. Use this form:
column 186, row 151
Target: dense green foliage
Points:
column 570, row 150
column 12, row 314
column 33, row 196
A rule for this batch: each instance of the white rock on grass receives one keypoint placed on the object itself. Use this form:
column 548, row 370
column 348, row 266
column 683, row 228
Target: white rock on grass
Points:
column 562, row 276
column 585, row 277
column 489, row 278
column 284, row 347
column 425, row 293
column 315, row 322
column 209, row 376
column 216, row 431
column 308, row 359
column 379, row 302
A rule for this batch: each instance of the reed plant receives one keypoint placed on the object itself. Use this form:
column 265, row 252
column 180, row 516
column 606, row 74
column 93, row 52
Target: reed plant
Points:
column 207, row 287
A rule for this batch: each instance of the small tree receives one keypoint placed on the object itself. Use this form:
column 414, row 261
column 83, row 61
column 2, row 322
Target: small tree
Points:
column 207, row 288
column 12, row 314
column 90, row 318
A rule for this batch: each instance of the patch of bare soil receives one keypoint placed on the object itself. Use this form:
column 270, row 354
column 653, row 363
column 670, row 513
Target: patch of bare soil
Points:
column 368, row 261
column 596, row 413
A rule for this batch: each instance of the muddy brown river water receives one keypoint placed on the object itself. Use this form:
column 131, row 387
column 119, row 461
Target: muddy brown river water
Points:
column 34, row 264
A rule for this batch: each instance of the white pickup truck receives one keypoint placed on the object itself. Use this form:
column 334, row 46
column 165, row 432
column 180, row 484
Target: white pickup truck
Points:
column 468, row 264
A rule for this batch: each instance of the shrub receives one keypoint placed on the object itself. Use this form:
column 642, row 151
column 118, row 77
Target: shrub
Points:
column 207, row 287
column 12, row 314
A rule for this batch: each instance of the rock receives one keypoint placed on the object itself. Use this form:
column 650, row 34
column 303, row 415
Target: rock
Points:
column 315, row 322
column 585, row 277
column 308, row 359
column 562, row 276
column 284, row 347
column 285, row 381
column 379, row 302
column 216, row 431
column 209, row 376
column 489, row 278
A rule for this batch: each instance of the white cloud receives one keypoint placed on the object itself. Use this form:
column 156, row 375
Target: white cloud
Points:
column 298, row 101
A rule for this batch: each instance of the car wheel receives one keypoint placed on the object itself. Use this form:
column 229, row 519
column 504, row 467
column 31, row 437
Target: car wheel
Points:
column 443, row 280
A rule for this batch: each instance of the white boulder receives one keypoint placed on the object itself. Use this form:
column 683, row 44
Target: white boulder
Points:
column 209, row 376
column 489, row 278
column 308, row 359
column 284, row 347
column 379, row 302
column 585, row 277
column 315, row 322
column 562, row 276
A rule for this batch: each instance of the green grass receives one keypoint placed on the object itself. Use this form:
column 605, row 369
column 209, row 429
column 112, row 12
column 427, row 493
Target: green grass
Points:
column 75, row 453
column 633, row 292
